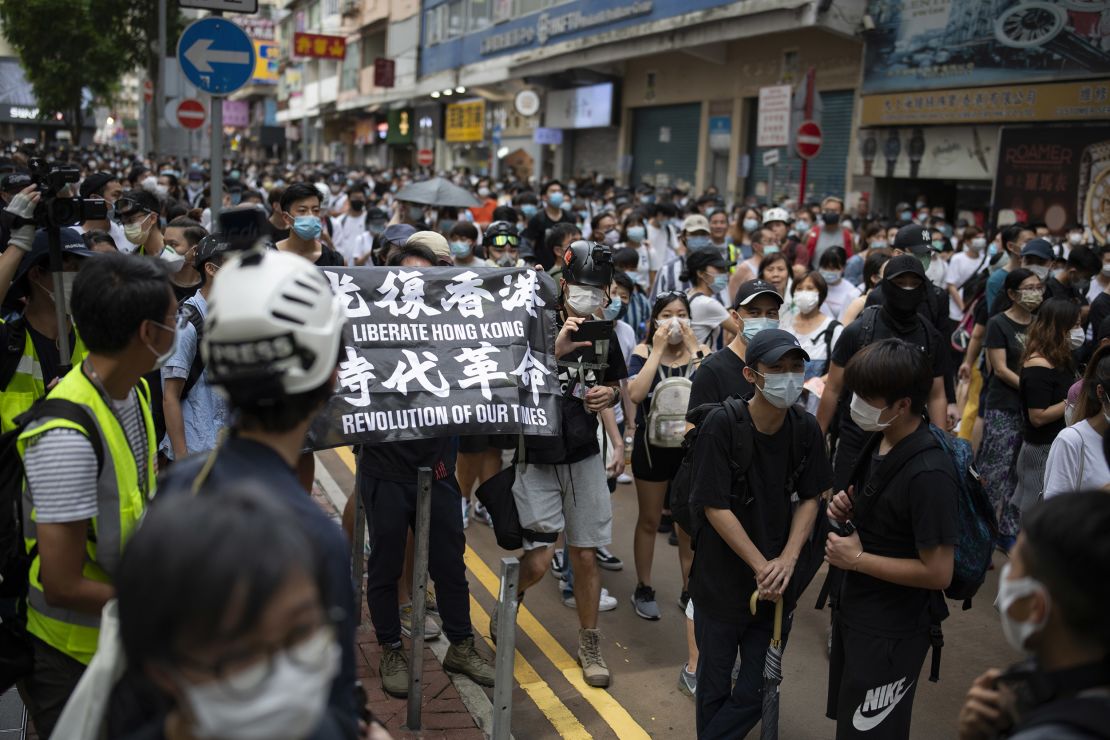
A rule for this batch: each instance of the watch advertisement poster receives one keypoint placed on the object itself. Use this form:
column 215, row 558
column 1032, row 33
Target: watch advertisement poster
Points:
column 1058, row 175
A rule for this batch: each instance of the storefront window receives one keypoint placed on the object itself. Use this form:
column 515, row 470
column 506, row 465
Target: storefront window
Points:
column 373, row 46
column 351, row 64
column 456, row 18
column 480, row 14
column 314, row 16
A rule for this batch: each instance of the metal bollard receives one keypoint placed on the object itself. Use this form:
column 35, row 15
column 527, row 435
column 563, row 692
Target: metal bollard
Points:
column 508, row 603
column 358, row 553
column 419, row 593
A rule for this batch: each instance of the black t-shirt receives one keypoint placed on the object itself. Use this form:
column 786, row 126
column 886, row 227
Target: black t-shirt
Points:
column 578, row 439
column 329, row 258
column 1100, row 309
column 1042, row 387
column 720, row 581
column 181, row 292
column 934, row 309
column 980, row 312
column 398, row 461
column 536, row 230
column 719, row 376
column 916, row 511
column 1005, row 333
column 1053, row 288
column 50, row 359
column 276, row 234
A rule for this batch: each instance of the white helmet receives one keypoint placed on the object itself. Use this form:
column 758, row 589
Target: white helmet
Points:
column 776, row 214
column 273, row 325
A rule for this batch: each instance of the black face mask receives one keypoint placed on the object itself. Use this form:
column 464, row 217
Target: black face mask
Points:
column 902, row 303
column 830, row 218
column 357, row 205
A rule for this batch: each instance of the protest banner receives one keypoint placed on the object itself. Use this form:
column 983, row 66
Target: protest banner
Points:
column 437, row 352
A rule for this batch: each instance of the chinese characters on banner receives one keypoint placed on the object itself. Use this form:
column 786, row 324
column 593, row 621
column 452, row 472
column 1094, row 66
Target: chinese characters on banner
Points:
column 318, row 46
column 442, row 351
column 465, row 121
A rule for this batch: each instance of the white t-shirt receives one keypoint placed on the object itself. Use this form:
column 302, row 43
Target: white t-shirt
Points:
column 961, row 267
column 937, row 271
column 1094, row 290
column 706, row 315
column 839, row 296
column 814, row 342
column 345, row 231
column 1075, row 461
column 663, row 243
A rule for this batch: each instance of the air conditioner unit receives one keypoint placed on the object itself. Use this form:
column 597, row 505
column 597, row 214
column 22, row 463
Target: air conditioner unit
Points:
column 350, row 7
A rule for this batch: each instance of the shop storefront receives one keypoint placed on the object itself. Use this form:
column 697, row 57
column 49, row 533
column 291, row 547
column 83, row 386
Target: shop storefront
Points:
column 400, row 132
column 464, row 132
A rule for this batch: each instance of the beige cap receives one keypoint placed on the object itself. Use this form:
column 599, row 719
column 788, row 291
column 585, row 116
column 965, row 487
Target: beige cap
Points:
column 433, row 241
column 697, row 222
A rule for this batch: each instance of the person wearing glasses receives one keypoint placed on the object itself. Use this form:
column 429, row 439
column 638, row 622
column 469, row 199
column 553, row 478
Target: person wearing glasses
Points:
column 502, row 243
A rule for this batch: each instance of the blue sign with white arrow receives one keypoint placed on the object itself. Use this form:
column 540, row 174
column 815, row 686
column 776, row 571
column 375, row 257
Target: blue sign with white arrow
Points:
column 216, row 55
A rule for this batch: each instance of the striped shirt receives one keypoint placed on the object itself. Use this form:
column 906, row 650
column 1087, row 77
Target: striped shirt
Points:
column 60, row 466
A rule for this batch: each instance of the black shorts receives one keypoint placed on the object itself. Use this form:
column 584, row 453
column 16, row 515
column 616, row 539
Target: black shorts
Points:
column 872, row 680
column 664, row 462
column 471, row 443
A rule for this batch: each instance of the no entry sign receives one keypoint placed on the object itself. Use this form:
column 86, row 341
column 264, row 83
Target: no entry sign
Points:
column 425, row 157
column 190, row 113
column 807, row 142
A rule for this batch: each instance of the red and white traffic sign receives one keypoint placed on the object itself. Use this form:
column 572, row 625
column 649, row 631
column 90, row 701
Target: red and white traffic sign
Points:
column 807, row 140
column 425, row 157
column 190, row 113
column 148, row 91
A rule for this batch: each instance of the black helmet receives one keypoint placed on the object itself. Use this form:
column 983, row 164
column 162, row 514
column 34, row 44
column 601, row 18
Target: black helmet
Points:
column 588, row 263
column 501, row 234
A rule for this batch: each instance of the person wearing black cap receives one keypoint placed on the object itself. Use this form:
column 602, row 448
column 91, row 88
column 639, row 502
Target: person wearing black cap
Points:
column 138, row 212
column 899, row 556
column 707, row 271
column 107, row 187
column 905, row 284
column 561, row 482
column 1073, row 282
column 749, row 539
column 917, row 241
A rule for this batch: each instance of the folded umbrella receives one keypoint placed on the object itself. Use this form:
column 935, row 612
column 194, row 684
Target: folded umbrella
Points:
column 438, row 192
column 772, row 676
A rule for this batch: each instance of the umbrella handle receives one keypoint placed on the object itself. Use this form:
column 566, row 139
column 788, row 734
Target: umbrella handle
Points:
column 777, row 635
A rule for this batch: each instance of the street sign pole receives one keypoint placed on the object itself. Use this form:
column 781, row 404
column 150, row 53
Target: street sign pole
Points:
column 810, row 75
column 160, row 90
column 217, row 139
column 771, row 185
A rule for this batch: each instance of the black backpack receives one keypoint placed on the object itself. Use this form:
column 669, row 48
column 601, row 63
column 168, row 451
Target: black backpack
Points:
column 192, row 314
column 870, row 316
column 16, row 657
column 13, row 350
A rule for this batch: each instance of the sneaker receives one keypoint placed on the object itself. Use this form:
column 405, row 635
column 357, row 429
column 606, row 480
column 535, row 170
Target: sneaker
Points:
column 466, row 519
column 464, row 658
column 683, row 600
column 558, row 565
column 687, row 681
column 672, row 538
column 481, row 515
column 431, row 629
column 624, row 478
column 394, row 670
column 594, row 669
column 430, row 601
column 666, row 524
column 606, row 604
column 644, row 602
column 608, row 560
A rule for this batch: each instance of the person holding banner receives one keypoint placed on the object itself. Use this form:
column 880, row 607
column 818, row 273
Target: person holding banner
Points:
column 561, row 481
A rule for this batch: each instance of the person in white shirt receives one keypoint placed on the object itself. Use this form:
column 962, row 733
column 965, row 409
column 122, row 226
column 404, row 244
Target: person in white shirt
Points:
column 1101, row 281
column 634, row 236
column 965, row 263
column 661, row 234
column 1076, row 461
column 346, row 229
column 840, row 291
column 707, row 273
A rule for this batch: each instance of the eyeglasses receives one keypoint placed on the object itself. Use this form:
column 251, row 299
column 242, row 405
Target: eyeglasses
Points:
column 669, row 296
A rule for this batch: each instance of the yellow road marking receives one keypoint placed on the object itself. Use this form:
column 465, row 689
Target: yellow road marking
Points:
column 538, row 690
column 615, row 715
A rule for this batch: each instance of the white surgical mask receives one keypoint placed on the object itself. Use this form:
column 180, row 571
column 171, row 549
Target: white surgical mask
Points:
column 287, row 706
column 1009, row 591
column 173, row 260
column 1106, row 270
column 135, row 233
column 806, row 300
column 1041, row 271
column 584, row 300
column 867, row 416
column 676, row 326
column 162, row 359
column 1076, row 337
column 68, row 278
column 781, row 389
column 978, row 243
column 1075, row 239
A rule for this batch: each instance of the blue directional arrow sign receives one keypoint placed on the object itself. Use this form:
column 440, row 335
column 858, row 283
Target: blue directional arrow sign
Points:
column 216, row 55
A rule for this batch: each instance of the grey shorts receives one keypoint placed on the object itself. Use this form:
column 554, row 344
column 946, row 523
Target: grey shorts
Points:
column 574, row 496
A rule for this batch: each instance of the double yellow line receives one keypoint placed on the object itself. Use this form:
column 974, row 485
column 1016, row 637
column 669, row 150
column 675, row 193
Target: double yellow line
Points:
column 537, row 689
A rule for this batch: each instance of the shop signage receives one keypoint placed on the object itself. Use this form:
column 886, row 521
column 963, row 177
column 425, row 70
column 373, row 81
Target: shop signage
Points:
column 465, row 122
column 548, row 136
column 773, row 122
column 580, row 107
column 400, row 126
column 720, row 133
column 550, row 25
column 1062, row 101
column 527, row 102
column 1058, row 175
column 237, row 113
column 933, row 44
column 267, row 62
column 319, row 46
column 23, row 112
column 946, row 152
column 385, row 72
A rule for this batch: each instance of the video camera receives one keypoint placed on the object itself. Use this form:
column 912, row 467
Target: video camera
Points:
column 54, row 210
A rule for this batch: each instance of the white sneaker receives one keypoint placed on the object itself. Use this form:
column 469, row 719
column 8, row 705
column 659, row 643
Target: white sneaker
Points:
column 466, row 519
column 558, row 566
column 605, row 604
column 624, row 478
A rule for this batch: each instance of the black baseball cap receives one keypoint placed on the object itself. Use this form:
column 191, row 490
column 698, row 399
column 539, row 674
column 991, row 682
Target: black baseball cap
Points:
column 1039, row 247
column 902, row 264
column 769, row 345
column 209, row 247
column 134, row 201
column 700, row 259
column 398, row 233
column 753, row 288
column 914, row 239
column 72, row 243
column 95, row 182
column 13, row 182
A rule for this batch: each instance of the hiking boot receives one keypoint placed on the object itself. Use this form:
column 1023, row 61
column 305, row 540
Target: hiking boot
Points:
column 606, row 603
column 607, row 560
column 463, row 658
column 643, row 600
column 558, row 565
column 431, row 629
column 594, row 669
column 687, row 681
column 394, row 670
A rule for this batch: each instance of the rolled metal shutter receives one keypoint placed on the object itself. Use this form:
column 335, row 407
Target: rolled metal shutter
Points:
column 665, row 143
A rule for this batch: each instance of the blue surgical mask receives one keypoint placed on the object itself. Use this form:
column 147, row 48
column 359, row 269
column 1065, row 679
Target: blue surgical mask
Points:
column 992, row 251
column 755, row 325
column 584, row 215
column 769, row 249
column 613, row 310
column 460, row 249
column 555, row 200
column 636, row 233
column 832, row 278
column 720, row 282
column 801, row 226
column 529, row 210
column 906, row 215
column 751, row 224
column 307, row 227
column 701, row 241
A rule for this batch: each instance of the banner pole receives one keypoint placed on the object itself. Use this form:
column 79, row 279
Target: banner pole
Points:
column 419, row 593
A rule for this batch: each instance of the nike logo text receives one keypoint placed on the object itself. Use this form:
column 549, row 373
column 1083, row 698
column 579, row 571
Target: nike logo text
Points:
column 885, row 698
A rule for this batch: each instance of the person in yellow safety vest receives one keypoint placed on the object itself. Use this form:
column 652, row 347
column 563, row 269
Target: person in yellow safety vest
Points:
column 29, row 359
column 78, row 512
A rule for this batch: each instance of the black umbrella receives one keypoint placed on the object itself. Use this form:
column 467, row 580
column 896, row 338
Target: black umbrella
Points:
column 772, row 676
column 438, row 192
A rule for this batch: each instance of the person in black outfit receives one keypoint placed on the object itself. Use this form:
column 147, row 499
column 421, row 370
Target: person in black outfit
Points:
column 904, row 281
column 300, row 207
column 751, row 538
column 552, row 213
column 901, row 552
column 1056, row 611
column 916, row 241
column 1073, row 282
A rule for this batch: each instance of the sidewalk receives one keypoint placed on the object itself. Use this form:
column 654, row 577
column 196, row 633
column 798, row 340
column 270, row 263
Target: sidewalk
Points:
column 443, row 712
